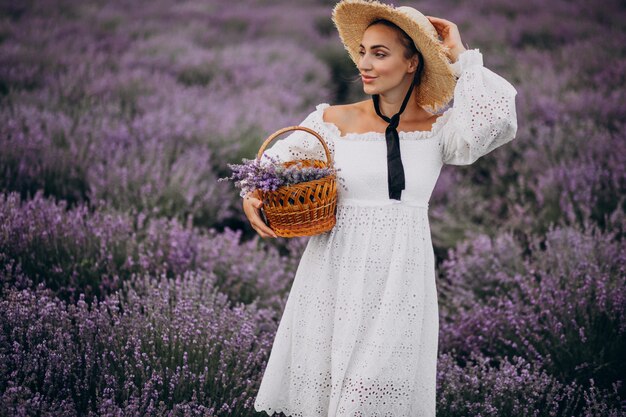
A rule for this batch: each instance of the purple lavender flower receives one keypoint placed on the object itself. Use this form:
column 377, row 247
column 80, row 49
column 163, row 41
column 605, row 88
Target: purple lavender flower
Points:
column 271, row 174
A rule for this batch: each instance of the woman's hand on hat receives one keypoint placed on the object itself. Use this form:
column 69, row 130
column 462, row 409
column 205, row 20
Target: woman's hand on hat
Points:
column 449, row 32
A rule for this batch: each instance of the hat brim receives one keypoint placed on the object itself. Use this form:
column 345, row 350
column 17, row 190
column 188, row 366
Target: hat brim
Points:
column 351, row 18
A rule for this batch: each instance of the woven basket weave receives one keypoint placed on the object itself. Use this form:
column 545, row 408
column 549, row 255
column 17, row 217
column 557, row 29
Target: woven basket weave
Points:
column 306, row 208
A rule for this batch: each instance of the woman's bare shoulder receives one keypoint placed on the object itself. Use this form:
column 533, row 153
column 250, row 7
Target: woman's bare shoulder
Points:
column 344, row 116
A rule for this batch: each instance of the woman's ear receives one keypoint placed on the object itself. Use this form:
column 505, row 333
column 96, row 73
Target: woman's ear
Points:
column 414, row 62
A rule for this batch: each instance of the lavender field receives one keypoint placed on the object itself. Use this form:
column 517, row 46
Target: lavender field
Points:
column 133, row 285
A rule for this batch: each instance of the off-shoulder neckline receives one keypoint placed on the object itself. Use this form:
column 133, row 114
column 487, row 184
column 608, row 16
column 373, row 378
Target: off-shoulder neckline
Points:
column 403, row 135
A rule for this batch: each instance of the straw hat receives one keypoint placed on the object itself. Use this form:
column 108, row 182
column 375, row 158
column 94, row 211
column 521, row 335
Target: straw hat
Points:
column 351, row 18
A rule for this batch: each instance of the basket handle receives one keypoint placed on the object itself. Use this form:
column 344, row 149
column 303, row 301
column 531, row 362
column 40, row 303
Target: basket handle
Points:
column 289, row 128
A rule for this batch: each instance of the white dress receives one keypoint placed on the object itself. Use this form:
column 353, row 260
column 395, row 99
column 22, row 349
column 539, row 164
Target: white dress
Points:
column 359, row 333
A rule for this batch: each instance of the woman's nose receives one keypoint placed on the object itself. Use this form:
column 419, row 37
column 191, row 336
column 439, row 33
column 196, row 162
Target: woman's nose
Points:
column 364, row 63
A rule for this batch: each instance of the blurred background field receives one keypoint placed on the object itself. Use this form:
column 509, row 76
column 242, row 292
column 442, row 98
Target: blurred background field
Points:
column 132, row 283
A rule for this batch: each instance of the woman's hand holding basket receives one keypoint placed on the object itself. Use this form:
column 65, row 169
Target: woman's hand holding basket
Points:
column 297, row 197
column 252, row 209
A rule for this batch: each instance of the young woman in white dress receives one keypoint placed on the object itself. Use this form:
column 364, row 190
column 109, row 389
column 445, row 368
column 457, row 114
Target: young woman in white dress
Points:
column 358, row 336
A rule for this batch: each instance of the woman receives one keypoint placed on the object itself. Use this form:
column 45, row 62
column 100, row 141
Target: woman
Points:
column 359, row 333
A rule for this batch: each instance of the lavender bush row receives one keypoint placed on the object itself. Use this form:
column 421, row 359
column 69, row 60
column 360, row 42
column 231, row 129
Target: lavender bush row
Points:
column 562, row 306
column 482, row 386
column 136, row 123
column 77, row 251
column 158, row 347
column 177, row 347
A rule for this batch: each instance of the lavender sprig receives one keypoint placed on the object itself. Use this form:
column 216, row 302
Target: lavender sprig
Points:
column 253, row 174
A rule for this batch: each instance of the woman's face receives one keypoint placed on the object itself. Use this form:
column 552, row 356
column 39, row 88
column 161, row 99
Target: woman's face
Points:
column 382, row 57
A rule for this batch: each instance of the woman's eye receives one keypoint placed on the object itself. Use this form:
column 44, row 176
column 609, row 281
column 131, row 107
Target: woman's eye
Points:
column 380, row 55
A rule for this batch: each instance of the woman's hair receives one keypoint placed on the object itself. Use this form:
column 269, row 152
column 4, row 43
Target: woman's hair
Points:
column 409, row 48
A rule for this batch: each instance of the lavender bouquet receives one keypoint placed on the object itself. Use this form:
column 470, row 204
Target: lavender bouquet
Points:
column 270, row 175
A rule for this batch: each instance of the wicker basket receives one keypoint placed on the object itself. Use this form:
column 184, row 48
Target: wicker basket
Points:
column 302, row 209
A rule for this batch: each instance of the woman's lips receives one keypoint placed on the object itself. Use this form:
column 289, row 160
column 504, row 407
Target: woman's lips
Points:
column 367, row 79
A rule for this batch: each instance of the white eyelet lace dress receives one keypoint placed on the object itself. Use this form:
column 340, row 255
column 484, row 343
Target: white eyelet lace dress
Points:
column 359, row 333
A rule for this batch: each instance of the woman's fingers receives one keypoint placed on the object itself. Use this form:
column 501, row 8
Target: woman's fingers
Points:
column 444, row 27
column 261, row 227
column 252, row 209
column 450, row 35
column 440, row 25
column 439, row 21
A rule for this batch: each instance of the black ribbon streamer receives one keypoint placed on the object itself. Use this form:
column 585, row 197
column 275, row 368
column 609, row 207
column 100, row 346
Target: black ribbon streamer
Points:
column 395, row 170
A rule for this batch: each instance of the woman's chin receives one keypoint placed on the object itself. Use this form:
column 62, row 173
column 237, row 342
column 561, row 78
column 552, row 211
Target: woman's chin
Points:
column 368, row 89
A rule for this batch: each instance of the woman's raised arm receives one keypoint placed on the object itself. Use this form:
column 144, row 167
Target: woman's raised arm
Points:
column 483, row 114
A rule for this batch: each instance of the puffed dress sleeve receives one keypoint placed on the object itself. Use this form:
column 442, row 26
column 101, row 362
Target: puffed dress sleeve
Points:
column 300, row 144
column 483, row 115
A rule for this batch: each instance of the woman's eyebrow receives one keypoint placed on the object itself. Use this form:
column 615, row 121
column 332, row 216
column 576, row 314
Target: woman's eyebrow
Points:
column 375, row 46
